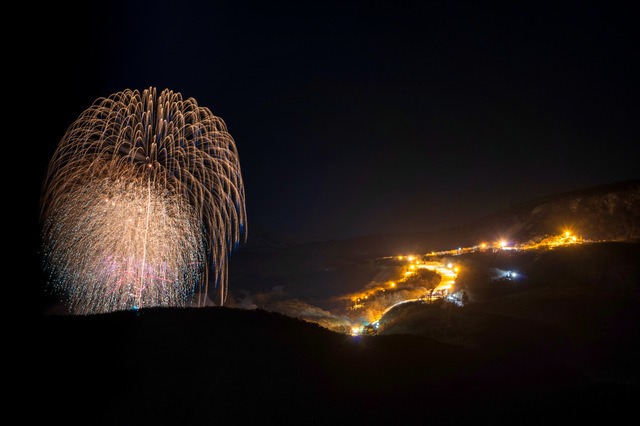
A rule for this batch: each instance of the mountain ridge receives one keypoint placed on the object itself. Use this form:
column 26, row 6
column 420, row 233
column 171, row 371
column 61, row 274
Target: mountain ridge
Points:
column 607, row 211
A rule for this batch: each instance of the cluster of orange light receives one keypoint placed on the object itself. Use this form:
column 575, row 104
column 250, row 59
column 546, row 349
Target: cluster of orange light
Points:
column 360, row 298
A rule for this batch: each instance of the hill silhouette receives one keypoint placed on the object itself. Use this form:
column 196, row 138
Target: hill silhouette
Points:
column 212, row 365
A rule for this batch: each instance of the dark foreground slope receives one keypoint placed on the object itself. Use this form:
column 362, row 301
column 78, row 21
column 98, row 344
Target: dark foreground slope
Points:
column 218, row 365
column 576, row 306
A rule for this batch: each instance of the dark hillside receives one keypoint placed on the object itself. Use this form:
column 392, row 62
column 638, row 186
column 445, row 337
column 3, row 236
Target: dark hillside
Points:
column 608, row 268
column 578, row 306
column 206, row 366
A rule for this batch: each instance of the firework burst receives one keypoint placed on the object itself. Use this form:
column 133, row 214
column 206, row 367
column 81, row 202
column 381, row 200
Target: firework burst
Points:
column 142, row 197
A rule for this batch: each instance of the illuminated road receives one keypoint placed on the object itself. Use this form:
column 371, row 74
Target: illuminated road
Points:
column 448, row 272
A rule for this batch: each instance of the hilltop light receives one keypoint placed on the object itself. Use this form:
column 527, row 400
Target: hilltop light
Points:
column 503, row 244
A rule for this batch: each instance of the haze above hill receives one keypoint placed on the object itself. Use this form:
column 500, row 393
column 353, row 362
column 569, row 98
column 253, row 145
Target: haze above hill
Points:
column 607, row 212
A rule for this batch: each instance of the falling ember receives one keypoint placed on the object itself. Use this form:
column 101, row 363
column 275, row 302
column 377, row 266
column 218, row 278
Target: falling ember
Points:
column 142, row 197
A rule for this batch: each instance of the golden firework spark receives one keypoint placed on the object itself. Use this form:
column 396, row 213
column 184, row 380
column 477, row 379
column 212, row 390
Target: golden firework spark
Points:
column 142, row 197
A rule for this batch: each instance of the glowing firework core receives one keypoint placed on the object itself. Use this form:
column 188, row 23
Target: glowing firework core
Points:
column 141, row 195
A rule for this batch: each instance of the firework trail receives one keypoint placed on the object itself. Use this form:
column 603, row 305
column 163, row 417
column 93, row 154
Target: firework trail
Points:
column 143, row 196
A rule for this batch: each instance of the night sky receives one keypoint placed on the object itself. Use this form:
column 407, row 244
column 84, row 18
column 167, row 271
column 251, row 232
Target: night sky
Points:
column 369, row 117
